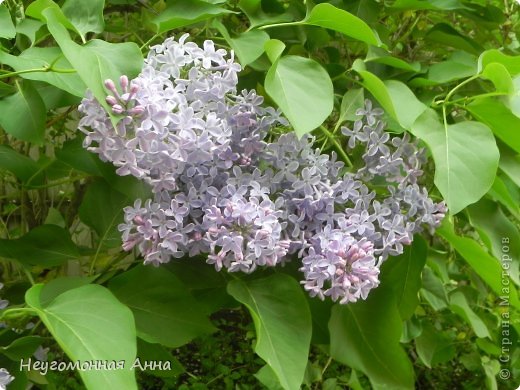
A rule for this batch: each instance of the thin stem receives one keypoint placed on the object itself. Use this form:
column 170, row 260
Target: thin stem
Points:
column 43, row 69
column 337, row 145
column 280, row 25
column 29, row 276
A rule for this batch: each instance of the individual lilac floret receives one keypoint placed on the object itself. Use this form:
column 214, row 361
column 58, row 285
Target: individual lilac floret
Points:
column 340, row 266
column 5, row 378
column 225, row 186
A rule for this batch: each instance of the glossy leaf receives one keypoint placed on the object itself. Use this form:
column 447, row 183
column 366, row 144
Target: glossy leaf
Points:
column 274, row 49
column 22, row 167
column 486, row 266
column 511, row 63
column 86, row 16
column 445, row 34
column 7, row 29
column 22, row 348
column 358, row 340
column 282, row 322
column 302, row 89
column 164, row 310
column 257, row 16
column 102, row 210
column 434, row 347
column 444, row 5
column 500, row 120
column 27, row 114
column 45, row 245
column 499, row 233
column 327, row 16
column 185, row 12
column 381, row 56
column 97, row 61
column 499, row 76
column 41, row 57
column 433, row 290
column 460, row 306
column 403, row 275
column 466, row 158
column 90, row 324
column 352, row 100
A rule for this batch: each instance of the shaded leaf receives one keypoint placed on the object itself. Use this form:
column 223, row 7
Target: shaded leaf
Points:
column 466, row 158
column 27, row 114
column 486, row 266
column 164, row 310
column 402, row 274
column 182, row 13
column 282, row 322
column 90, row 324
column 45, row 245
column 302, row 89
column 358, row 340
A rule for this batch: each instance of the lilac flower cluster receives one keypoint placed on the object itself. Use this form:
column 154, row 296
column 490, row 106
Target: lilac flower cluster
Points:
column 224, row 188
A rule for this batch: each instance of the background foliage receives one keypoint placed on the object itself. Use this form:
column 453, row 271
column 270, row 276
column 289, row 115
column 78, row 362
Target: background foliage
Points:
column 446, row 314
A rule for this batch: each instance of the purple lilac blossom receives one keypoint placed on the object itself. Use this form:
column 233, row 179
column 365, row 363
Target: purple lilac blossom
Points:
column 226, row 187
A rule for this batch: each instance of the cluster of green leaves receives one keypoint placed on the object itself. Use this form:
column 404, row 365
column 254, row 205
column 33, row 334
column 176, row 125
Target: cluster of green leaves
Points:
column 448, row 72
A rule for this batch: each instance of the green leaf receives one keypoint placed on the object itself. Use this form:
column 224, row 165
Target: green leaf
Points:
column 45, row 245
column 274, row 49
column 382, row 56
column 7, row 29
column 97, row 61
column 90, row 324
column 433, row 290
column 248, row 46
column 22, row 348
column 376, row 87
column 352, row 100
column 499, row 233
column 500, row 193
column 358, row 339
column 29, row 28
column 27, row 114
column 257, row 16
column 446, row 35
column 164, row 310
column 327, row 16
column 182, row 13
column 442, row 5
column 102, row 210
column 402, row 274
column 36, row 8
column 268, row 378
column 303, row 90
column 407, row 107
column 76, row 156
column 466, row 158
column 460, row 306
column 511, row 63
column 486, row 266
column 40, row 57
column 59, row 285
column 23, row 167
column 499, row 118
column 434, row 347
column 460, row 65
column 510, row 164
column 499, row 76
column 86, row 16
column 491, row 369
column 151, row 352
column 282, row 322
